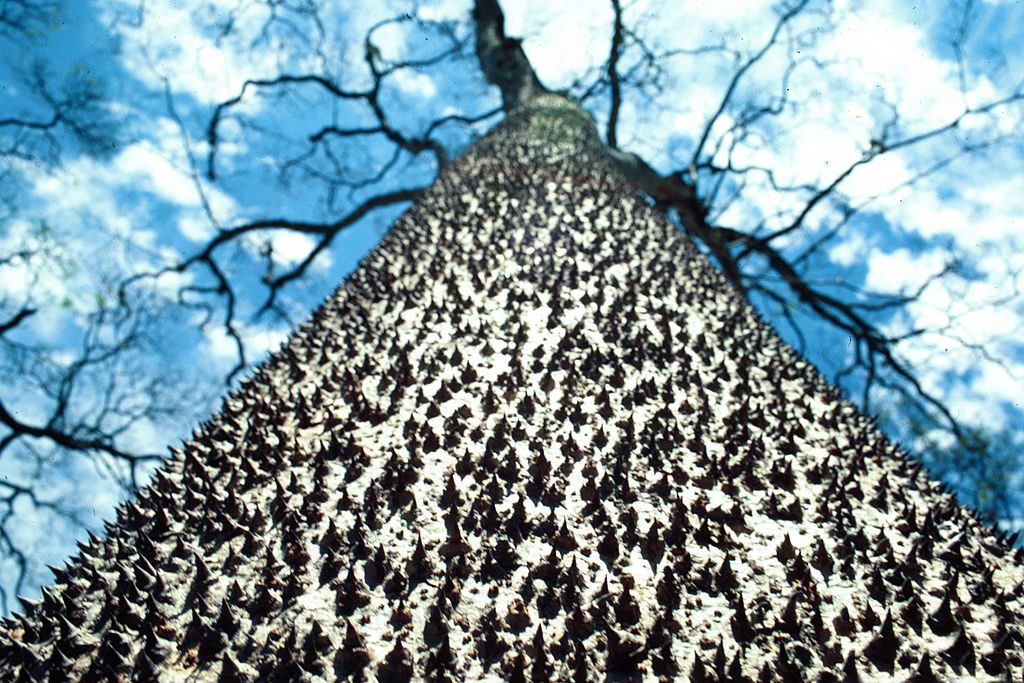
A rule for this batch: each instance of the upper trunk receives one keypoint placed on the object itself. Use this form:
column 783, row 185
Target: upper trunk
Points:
column 534, row 433
column 502, row 59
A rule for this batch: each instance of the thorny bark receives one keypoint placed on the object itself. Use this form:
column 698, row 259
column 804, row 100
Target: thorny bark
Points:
column 731, row 248
column 750, row 257
column 421, row 486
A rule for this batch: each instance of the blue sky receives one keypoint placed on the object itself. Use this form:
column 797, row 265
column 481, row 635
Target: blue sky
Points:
column 146, row 202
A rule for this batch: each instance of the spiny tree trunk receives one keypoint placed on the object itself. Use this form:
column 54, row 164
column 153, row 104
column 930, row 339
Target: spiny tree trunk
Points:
column 533, row 435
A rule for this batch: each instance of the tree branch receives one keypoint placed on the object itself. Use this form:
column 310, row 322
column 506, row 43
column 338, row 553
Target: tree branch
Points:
column 502, row 59
column 613, row 76
column 738, row 76
column 16, row 319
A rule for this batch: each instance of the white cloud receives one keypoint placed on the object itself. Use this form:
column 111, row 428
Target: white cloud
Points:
column 288, row 247
column 391, row 40
column 443, row 10
column 169, row 283
column 59, row 279
column 549, row 29
column 852, row 249
column 415, row 83
column 977, row 218
column 117, row 194
column 259, row 340
column 902, row 270
column 141, row 166
column 93, row 222
column 967, row 327
column 174, row 42
column 195, row 226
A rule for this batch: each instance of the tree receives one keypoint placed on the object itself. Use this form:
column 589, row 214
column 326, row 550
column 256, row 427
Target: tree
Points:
column 337, row 132
column 534, row 433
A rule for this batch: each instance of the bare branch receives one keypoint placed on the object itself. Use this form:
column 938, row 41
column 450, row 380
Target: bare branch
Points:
column 613, row 76
column 323, row 229
column 738, row 76
column 16, row 319
column 221, row 109
column 880, row 147
column 28, row 19
column 69, row 441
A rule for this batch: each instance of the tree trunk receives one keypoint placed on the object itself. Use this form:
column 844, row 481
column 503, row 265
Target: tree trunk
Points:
column 534, row 434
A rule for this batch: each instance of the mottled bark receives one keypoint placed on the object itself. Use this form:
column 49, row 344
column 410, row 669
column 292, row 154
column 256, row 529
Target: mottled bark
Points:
column 535, row 434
